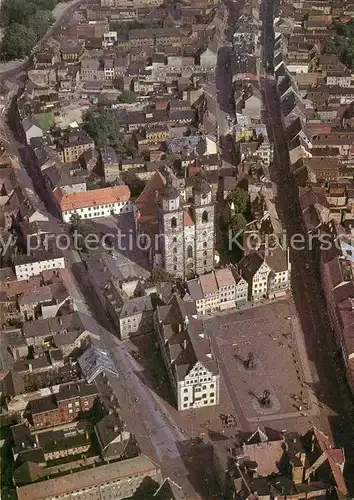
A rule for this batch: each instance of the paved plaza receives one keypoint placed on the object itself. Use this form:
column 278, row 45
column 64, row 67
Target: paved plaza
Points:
column 271, row 333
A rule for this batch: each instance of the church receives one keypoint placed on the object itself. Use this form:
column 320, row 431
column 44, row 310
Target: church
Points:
column 181, row 232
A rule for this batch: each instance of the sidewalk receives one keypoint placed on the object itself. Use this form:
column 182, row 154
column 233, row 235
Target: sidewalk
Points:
column 249, row 305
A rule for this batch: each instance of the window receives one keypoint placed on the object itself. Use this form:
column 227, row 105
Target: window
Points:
column 175, row 268
column 205, row 263
column 205, row 216
column 185, row 398
column 185, row 390
column 204, row 244
column 174, row 259
column 212, row 394
column 189, row 252
column 174, row 240
column 205, row 253
column 173, row 222
column 175, row 250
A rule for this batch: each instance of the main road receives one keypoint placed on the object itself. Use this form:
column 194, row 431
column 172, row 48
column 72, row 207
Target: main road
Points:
column 331, row 387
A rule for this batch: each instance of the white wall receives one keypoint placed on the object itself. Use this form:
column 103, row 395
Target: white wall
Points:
column 25, row 271
column 99, row 211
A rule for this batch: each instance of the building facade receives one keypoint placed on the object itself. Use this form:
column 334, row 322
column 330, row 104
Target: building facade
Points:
column 33, row 265
column 187, row 232
column 95, row 203
column 190, row 363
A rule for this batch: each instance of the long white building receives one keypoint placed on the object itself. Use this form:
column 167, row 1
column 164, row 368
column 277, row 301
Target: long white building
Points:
column 95, row 203
column 33, row 265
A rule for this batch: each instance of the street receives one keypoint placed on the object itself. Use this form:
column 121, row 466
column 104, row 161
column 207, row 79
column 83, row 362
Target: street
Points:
column 331, row 388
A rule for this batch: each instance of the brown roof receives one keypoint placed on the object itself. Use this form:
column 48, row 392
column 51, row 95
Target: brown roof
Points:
column 208, row 284
column 147, row 202
column 85, row 479
column 267, row 456
column 224, row 277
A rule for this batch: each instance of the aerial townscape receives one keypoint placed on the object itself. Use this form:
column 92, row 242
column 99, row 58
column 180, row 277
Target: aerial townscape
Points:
column 177, row 249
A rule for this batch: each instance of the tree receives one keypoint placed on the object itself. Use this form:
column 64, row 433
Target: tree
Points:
column 18, row 41
column 104, row 129
column 40, row 21
column 239, row 198
column 160, row 275
column 127, row 96
column 18, row 11
column 237, row 222
column 100, row 126
column 75, row 220
column 342, row 45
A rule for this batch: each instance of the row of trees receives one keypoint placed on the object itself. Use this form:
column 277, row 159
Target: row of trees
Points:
column 27, row 21
column 343, row 44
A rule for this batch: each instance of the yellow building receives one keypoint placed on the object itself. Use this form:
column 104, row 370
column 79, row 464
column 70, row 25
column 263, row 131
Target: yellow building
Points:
column 73, row 145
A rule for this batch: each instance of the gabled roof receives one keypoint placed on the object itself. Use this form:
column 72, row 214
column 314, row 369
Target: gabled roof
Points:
column 147, row 201
column 277, row 260
column 250, row 264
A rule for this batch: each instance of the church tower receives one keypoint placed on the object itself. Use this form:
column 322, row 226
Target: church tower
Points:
column 204, row 218
column 171, row 230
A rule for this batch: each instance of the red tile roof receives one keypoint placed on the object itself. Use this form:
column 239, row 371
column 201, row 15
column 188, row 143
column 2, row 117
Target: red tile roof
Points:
column 188, row 221
column 95, row 197
column 147, row 202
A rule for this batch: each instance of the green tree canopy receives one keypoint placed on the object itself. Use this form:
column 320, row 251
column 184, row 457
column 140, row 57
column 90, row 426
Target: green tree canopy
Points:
column 127, row 96
column 237, row 222
column 18, row 11
column 343, row 44
column 40, row 21
column 239, row 197
column 103, row 128
column 160, row 275
column 18, row 41
column 35, row 15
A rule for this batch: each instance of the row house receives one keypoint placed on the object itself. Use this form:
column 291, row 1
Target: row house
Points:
column 340, row 78
column 219, row 290
column 62, row 407
column 268, row 276
column 73, row 145
column 338, row 286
